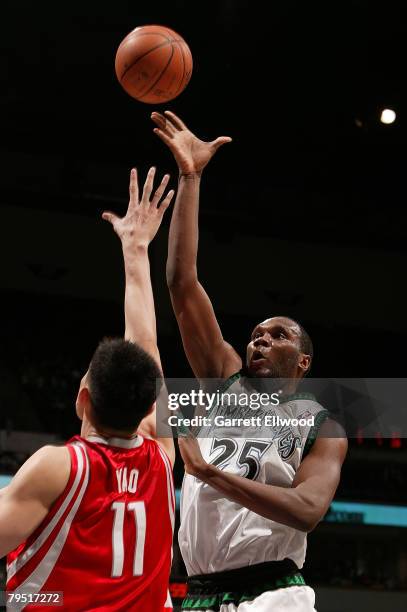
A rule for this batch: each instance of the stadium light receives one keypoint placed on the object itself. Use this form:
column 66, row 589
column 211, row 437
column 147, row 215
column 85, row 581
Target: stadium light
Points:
column 387, row 116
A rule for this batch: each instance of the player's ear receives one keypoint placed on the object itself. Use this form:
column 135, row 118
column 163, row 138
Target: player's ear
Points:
column 304, row 363
column 152, row 408
column 80, row 398
column 83, row 402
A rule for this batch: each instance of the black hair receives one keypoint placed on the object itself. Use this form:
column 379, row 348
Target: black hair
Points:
column 306, row 345
column 124, row 382
column 305, row 341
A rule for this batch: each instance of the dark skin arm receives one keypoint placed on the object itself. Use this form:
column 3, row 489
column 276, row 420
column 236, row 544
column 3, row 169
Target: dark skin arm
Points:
column 208, row 353
column 302, row 506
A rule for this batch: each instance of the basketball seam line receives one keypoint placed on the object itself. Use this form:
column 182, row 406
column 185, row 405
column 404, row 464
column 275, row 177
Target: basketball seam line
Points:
column 183, row 69
column 170, row 40
column 144, row 54
column 160, row 75
column 137, row 34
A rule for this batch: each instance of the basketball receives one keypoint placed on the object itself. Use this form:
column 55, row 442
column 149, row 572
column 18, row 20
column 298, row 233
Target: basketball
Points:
column 153, row 64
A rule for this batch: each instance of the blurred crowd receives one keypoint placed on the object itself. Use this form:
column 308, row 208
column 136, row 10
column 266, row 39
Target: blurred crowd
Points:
column 37, row 392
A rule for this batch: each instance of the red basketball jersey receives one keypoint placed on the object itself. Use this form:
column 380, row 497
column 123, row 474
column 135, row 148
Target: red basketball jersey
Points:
column 107, row 541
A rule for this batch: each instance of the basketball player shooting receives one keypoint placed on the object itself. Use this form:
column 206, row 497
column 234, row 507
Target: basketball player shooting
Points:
column 94, row 519
column 243, row 527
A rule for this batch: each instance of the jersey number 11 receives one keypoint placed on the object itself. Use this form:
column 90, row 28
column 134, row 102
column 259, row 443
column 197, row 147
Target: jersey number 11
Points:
column 139, row 511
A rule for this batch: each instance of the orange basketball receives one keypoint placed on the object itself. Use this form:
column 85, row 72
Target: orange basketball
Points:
column 153, row 64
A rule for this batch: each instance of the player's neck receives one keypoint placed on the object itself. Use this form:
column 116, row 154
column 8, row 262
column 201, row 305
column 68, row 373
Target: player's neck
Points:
column 282, row 386
column 88, row 430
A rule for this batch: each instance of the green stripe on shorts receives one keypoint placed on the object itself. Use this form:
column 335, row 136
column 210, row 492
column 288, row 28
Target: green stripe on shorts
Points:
column 213, row 602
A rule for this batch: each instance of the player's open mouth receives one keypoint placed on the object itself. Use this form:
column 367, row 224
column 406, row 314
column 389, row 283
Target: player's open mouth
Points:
column 257, row 356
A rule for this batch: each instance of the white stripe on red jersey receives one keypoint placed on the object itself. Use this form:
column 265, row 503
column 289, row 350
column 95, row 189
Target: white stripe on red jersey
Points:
column 107, row 541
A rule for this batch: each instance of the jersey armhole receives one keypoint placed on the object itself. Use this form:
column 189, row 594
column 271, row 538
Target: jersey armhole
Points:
column 54, row 508
column 72, row 473
column 228, row 382
column 320, row 418
column 162, row 449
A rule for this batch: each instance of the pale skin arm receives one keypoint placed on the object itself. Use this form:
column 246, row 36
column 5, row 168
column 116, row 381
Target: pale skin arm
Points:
column 208, row 353
column 26, row 501
column 136, row 230
column 302, row 506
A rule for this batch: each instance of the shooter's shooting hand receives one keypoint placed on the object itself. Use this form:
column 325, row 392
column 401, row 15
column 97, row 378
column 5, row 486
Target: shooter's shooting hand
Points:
column 191, row 153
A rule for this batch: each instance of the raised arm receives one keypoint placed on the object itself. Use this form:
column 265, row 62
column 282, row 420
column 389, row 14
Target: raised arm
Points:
column 208, row 353
column 136, row 230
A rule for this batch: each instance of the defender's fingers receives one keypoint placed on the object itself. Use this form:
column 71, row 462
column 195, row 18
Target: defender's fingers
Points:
column 175, row 120
column 166, row 201
column 160, row 190
column 148, row 187
column 133, row 188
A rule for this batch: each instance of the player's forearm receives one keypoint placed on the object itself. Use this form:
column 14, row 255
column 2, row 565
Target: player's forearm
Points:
column 288, row 506
column 139, row 300
column 184, row 232
column 139, row 313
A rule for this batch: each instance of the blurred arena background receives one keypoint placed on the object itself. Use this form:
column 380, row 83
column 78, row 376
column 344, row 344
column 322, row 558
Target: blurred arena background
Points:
column 307, row 206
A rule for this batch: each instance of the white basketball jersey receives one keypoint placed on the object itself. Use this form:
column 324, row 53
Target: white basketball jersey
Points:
column 217, row 534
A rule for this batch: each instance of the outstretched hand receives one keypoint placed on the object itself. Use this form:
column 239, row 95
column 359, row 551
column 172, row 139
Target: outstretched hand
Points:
column 143, row 217
column 191, row 153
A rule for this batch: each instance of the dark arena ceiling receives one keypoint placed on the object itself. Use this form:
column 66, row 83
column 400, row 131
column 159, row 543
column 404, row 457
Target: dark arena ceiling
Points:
column 299, row 86
column 308, row 199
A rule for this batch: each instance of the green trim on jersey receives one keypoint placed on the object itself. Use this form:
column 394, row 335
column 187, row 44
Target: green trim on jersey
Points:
column 225, row 385
column 214, row 602
column 229, row 381
column 283, row 400
column 313, row 432
column 297, row 396
column 184, row 431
